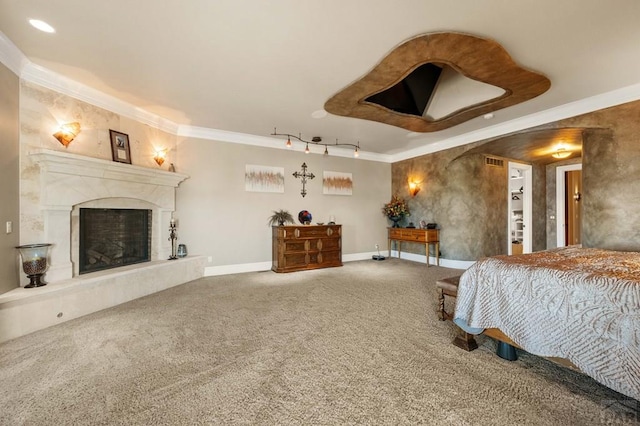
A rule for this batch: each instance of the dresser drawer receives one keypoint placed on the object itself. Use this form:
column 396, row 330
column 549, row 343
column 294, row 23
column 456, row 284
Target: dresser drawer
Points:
column 411, row 235
column 414, row 235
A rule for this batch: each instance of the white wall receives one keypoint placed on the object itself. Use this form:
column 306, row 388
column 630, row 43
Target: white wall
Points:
column 218, row 218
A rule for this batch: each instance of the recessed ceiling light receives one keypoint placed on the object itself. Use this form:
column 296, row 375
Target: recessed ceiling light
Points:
column 319, row 113
column 488, row 116
column 42, row 26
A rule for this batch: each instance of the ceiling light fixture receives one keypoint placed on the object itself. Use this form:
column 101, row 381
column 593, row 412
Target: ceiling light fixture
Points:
column 42, row 26
column 316, row 140
column 561, row 153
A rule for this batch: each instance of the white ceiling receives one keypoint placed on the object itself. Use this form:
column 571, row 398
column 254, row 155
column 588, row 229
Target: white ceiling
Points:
column 248, row 66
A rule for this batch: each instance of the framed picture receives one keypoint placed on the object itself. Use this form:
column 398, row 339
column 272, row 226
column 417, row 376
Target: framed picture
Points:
column 337, row 183
column 263, row 178
column 120, row 147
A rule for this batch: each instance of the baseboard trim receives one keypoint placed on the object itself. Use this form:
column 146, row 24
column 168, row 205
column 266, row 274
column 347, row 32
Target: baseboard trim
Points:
column 212, row 271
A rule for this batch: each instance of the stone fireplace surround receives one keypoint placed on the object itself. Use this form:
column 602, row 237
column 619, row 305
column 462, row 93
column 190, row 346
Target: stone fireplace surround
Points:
column 66, row 183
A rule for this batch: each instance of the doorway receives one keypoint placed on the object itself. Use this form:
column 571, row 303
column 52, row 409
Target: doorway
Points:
column 569, row 205
column 520, row 208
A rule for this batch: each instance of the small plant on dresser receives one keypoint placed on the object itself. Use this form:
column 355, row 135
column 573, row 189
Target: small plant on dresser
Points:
column 280, row 217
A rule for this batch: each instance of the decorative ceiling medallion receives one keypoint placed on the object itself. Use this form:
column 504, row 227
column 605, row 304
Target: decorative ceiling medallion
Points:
column 382, row 94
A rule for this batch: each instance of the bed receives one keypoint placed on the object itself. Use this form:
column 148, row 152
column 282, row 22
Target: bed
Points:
column 578, row 304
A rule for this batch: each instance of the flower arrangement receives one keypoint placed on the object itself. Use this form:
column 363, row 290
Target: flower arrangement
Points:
column 397, row 207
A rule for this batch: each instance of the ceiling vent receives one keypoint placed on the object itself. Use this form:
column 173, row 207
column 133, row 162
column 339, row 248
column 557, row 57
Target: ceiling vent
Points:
column 493, row 162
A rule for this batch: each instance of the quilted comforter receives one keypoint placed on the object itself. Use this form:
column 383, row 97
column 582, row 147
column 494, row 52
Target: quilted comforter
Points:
column 576, row 303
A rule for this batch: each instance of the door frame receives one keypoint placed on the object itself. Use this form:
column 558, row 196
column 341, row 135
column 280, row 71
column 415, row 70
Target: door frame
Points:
column 560, row 201
column 527, row 206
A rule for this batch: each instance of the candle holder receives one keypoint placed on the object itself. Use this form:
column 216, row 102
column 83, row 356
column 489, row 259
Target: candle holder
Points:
column 34, row 263
column 173, row 236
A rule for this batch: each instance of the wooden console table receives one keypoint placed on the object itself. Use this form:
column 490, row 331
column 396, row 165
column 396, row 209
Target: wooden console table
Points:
column 416, row 235
column 298, row 248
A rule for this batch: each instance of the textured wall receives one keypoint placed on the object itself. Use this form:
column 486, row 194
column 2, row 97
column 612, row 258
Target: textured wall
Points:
column 9, row 176
column 467, row 199
column 610, row 176
column 468, row 204
column 539, row 208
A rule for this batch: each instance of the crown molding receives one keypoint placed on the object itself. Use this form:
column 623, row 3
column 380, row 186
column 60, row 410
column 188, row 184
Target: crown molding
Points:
column 11, row 56
column 44, row 77
column 572, row 109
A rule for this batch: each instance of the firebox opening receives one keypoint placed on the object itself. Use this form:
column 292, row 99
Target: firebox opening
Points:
column 110, row 238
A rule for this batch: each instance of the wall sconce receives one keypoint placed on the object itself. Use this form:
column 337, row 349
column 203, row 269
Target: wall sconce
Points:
column 414, row 188
column 161, row 155
column 67, row 132
column 561, row 153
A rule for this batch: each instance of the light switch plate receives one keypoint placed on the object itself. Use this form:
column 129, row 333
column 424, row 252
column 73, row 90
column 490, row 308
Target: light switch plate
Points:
column 9, row 227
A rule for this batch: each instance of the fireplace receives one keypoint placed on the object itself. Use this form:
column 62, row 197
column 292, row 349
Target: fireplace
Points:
column 67, row 183
column 110, row 238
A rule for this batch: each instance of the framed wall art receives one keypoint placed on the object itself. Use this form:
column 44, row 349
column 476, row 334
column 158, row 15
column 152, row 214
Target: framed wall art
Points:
column 263, row 178
column 337, row 183
column 120, row 147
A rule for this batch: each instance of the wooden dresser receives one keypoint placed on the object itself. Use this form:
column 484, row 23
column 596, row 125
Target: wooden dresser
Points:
column 298, row 248
column 416, row 235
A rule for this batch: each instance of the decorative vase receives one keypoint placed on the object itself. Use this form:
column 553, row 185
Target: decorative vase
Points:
column 34, row 262
column 305, row 217
column 395, row 220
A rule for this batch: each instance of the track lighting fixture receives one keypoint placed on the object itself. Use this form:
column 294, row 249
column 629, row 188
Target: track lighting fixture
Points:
column 316, row 140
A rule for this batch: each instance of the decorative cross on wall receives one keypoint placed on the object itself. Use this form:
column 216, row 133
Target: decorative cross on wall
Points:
column 303, row 176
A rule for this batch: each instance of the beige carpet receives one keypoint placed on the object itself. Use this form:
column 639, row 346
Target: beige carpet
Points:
column 359, row 344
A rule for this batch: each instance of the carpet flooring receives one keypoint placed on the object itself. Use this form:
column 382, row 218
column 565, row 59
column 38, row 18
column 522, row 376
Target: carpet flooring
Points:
column 360, row 344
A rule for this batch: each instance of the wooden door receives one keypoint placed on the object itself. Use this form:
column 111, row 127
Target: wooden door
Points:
column 573, row 211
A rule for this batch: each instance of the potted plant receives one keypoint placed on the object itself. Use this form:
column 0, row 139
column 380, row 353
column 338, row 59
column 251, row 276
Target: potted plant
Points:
column 280, row 217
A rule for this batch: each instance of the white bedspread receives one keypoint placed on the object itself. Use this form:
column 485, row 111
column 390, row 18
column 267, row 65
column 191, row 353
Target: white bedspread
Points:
column 574, row 303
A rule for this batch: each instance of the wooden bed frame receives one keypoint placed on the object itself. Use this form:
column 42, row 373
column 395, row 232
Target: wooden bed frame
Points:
column 467, row 341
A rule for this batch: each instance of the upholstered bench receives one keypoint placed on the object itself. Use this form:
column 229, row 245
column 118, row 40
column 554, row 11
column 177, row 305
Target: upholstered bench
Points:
column 449, row 287
column 506, row 347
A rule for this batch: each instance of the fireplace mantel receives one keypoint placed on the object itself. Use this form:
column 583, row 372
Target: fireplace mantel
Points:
column 79, row 165
column 69, row 180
